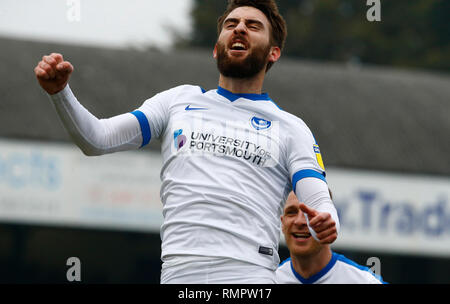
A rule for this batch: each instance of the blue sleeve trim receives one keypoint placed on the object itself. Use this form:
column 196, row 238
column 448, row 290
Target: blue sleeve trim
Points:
column 145, row 127
column 306, row 173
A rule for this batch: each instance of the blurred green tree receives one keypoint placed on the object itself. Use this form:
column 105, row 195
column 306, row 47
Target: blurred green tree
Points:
column 410, row 34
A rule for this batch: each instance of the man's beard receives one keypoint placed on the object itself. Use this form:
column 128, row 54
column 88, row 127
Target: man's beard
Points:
column 241, row 68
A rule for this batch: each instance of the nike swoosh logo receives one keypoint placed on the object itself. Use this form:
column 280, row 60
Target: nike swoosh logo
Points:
column 188, row 108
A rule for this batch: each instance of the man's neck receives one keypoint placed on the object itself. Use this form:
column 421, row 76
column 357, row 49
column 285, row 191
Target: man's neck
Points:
column 307, row 266
column 243, row 86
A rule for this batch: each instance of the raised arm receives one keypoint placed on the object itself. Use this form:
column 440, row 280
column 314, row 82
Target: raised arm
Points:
column 310, row 185
column 92, row 135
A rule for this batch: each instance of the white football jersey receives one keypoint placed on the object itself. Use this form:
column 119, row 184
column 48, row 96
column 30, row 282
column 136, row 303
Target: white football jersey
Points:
column 230, row 160
column 339, row 270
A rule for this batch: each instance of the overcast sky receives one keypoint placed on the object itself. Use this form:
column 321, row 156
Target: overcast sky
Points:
column 110, row 23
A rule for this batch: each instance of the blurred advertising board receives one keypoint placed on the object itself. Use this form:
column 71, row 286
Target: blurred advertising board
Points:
column 398, row 213
column 56, row 184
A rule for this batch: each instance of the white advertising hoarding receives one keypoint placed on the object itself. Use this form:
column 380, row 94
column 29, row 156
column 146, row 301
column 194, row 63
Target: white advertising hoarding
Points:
column 392, row 212
column 55, row 184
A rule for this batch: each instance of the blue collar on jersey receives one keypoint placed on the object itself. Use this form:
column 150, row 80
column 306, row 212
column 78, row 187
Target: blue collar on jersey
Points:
column 233, row 97
column 317, row 276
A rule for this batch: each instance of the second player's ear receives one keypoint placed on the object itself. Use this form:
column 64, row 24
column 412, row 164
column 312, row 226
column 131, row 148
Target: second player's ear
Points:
column 283, row 228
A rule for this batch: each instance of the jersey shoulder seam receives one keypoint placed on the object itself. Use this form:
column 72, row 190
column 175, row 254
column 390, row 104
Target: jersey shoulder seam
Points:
column 362, row 268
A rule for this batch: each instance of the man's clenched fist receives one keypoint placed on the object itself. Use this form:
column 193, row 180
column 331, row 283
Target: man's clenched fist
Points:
column 53, row 73
column 322, row 223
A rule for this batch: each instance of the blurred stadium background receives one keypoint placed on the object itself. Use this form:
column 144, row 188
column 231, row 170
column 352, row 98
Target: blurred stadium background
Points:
column 376, row 95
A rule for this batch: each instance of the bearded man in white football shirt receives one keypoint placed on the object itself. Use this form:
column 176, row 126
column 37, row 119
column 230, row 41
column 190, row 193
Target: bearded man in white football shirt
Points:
column 231, row 155
column 310, row 261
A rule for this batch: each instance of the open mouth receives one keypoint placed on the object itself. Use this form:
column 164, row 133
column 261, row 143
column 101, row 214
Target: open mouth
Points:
column 238, row 46
column 302, row 235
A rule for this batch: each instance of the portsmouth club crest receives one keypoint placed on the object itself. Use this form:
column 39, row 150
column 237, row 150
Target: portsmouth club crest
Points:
column 179, row 139
column 260, row 123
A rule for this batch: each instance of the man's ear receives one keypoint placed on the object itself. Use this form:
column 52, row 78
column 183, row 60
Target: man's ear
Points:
column 215, row 51
column 275, row 54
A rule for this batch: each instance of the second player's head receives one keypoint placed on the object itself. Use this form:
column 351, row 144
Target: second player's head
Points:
column 296, row 232
column 251, row 35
